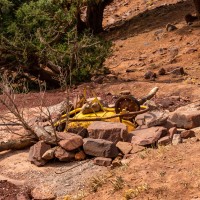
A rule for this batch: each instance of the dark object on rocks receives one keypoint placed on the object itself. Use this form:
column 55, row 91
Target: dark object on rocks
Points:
column 103, row 161
column 111, row 131
column 63, row 155
column 162, row 71
column 170, row 27
column 147, row 136
column 70, row 141
column 150, row 75
column 124, row 147
column 100, row 148
column 36, row 152
column 190, row 19
column 187, row 134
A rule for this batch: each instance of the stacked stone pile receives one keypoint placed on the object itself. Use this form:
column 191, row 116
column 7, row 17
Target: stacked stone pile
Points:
column 107, row 140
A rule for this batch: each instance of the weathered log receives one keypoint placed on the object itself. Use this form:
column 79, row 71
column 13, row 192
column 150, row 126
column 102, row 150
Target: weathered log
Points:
column 16, row 144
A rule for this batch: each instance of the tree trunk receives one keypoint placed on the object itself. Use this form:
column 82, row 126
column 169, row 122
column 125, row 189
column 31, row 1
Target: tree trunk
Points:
column 16, row 144
column 94, row 17
column 197, row 7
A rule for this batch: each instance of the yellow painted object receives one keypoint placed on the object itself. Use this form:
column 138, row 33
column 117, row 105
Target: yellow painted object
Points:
column 83, row 120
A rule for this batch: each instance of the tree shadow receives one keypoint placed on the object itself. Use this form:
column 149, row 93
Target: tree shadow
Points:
column 150, row 20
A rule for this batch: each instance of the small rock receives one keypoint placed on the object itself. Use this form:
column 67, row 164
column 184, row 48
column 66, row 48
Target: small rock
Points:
column 152, row 118
column 124, row 147
column 187, row 117
column 49, row 154
column 178, row 71
column 164, row 141
column 172, row 131
column 187, row 134
column 100, row 148
column 43, row 193
column 170, row 27
column 71, row 142
column 176, row 139
column 150, row 75
column 147, row 136
column 173, row 52
column 63, row 155
column 103, row 161
column 162, row 72
column 80, row 156
column 36, row 152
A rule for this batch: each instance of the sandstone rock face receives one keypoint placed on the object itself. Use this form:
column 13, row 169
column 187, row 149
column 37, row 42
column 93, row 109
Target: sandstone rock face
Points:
column 172, row 131
column 100, row 148
column 153, row 118
column 36, row 152
column 124, row 147
column 147, row 136
column 80, row 155
column 103, row 161
column 111, row 131
column 187, row 117
column 70, row 141
column 63, row 155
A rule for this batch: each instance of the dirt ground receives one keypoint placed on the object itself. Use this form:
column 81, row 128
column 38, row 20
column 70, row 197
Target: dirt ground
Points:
column 137, row 29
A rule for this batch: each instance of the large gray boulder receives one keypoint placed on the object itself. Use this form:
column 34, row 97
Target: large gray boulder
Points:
column 100, row 148
column 111, row 131
column 187, row 117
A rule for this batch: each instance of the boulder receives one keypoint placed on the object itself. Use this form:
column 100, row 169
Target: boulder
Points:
column 187, row 117
column 124, row 147
column 147, row 136
column 70, row 141
column 187, row 134
column 100, row 148
column 153, row 118
column 63, row 155
column 36, row 152
column 111, row 131
column 103, row 161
